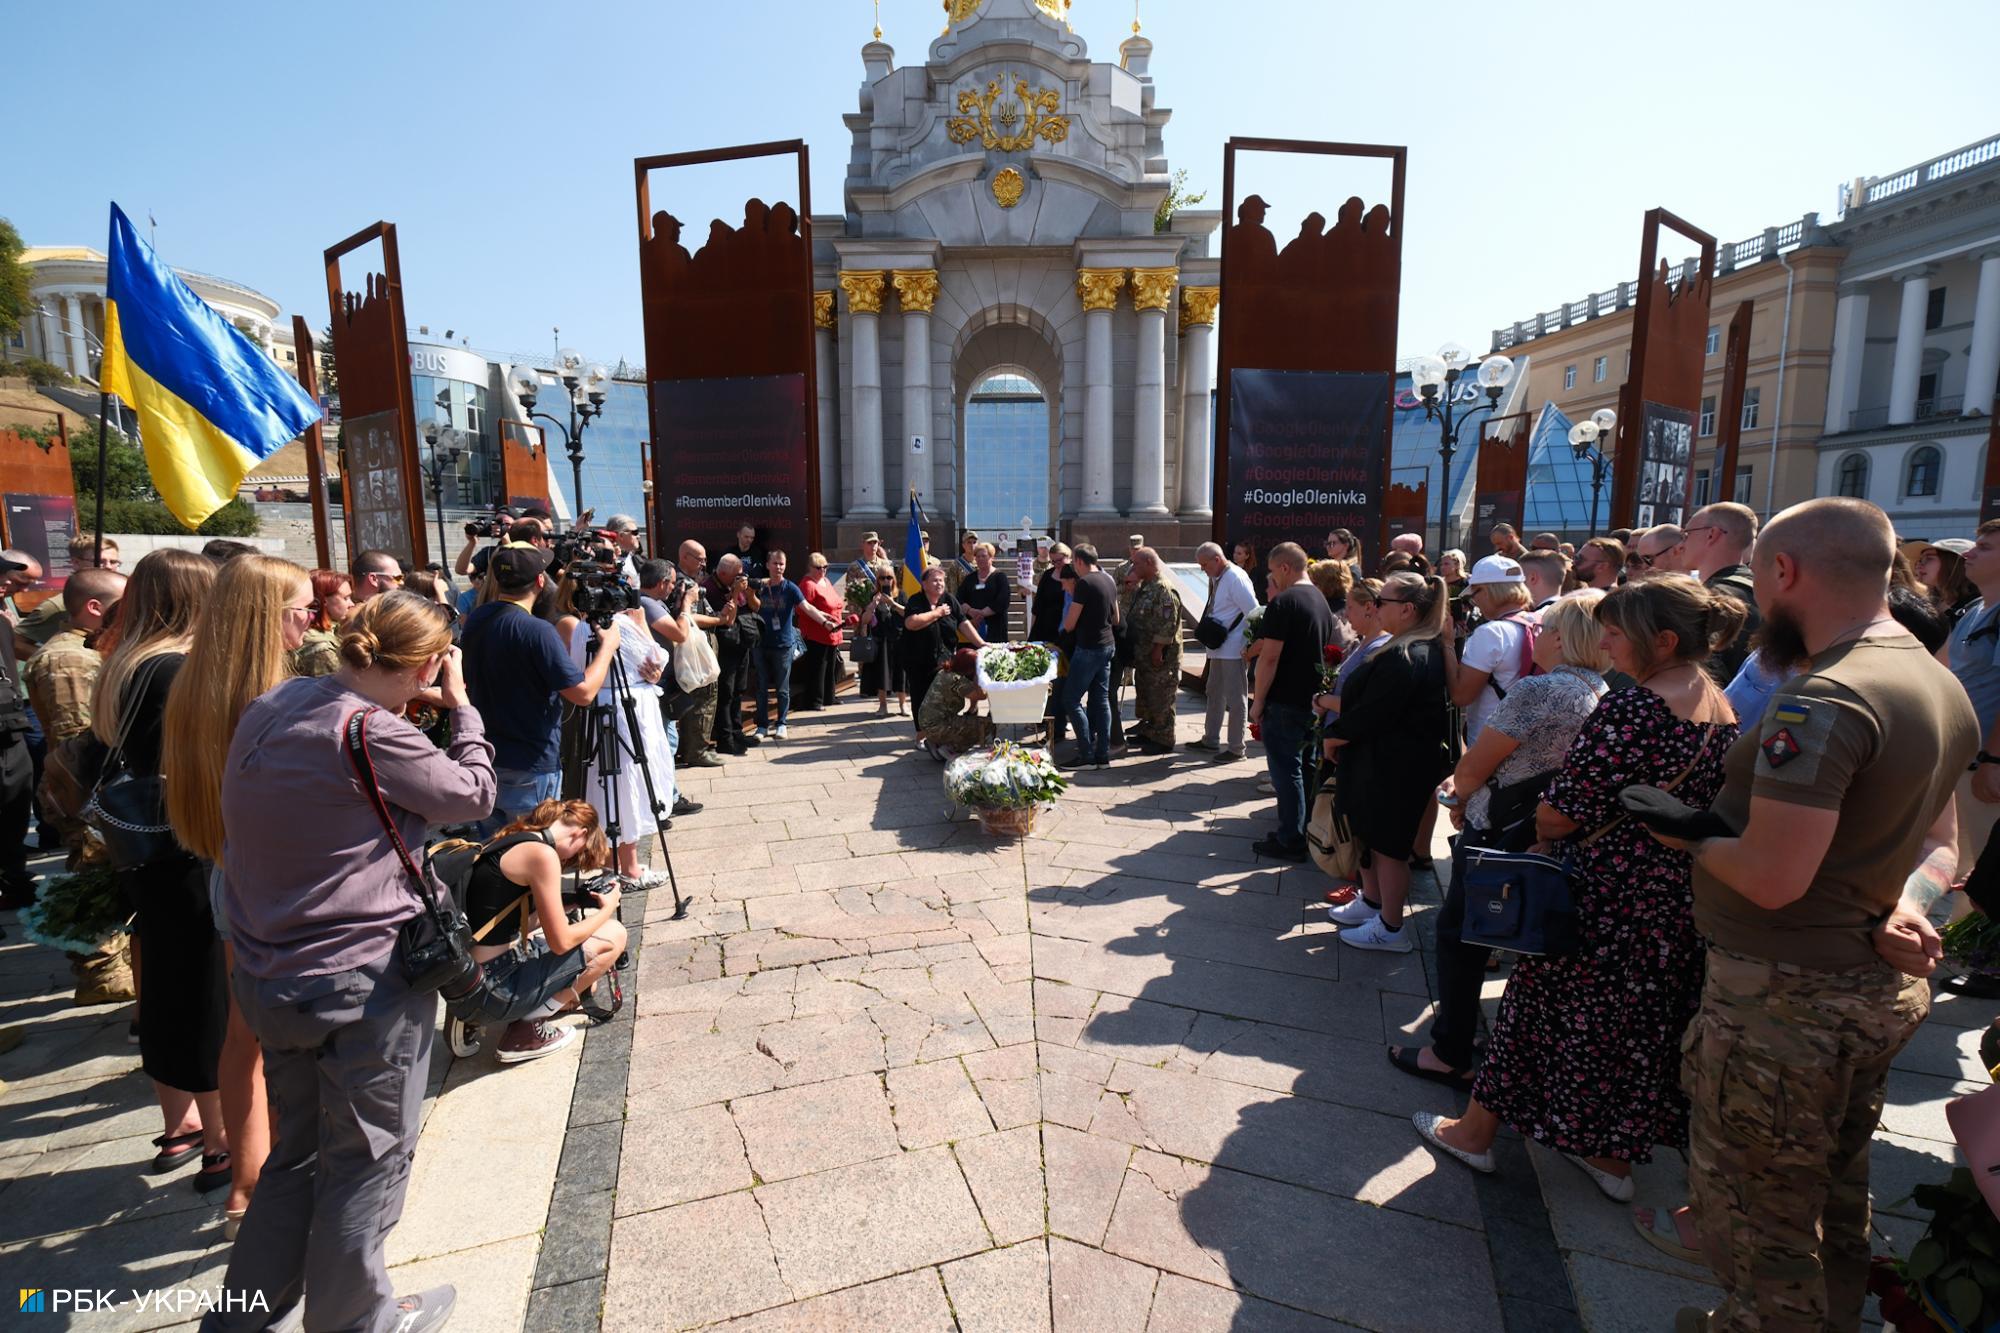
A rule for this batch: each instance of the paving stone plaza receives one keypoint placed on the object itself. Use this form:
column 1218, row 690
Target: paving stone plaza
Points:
column 892, row 1073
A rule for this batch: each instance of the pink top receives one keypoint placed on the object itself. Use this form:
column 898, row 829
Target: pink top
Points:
column 312, row 884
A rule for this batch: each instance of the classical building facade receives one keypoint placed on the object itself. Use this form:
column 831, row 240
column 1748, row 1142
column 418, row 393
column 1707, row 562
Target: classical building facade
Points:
column 1000, row 221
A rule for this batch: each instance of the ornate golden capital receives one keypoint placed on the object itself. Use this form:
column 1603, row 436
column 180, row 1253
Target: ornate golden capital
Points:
column 1098, row 287
column 823, row 310
column 1198, row 306
column 1152, row 288
column 865, row 290
column 916, row 288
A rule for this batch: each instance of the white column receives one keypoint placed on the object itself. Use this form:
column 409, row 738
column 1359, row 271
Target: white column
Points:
column 917, row 291
column 1197, row 407
column 1908, row 366
column 79, row 355
column 1152, row 291
column 51, row 336
column 1850, row 343
column 826, row 370
column 1982, row 362
column 864, row 310
column 1099, row 289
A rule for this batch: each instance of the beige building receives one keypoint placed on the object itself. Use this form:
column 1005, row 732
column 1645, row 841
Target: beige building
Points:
column 1579, row 355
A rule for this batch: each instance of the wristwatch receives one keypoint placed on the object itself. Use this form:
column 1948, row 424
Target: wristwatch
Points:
column 1982, row 758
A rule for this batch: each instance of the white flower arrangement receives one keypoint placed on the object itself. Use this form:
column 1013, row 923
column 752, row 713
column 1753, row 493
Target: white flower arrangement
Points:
column 1004, row 777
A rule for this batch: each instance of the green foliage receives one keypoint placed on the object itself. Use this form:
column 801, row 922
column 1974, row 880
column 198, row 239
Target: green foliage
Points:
column 235, row 519
column 1177, row 199
column 130, row 502
column 14, row 299
column 42, row 374
column 329, row 376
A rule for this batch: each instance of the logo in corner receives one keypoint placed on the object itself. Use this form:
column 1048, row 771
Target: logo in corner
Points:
column 33, row 1300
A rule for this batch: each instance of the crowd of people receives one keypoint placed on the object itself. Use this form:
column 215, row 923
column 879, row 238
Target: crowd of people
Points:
column 1815, row 710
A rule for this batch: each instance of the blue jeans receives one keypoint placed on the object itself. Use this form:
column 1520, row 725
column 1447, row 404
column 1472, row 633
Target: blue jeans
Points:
column 1090, row 671
column 1287, row 728
column 774, row 671
column 520, row 792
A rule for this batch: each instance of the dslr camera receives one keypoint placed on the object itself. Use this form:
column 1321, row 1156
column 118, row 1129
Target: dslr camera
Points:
column 492, row 527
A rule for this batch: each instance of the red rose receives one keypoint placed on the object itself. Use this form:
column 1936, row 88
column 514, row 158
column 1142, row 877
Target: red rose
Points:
column 1333, row 654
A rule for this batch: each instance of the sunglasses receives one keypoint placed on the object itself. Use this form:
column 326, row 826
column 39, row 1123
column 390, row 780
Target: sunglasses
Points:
column 1641, row 561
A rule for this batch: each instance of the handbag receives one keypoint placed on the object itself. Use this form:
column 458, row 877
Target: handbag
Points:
column 864, row 649
column 1329, row 837
column 696, row 666
column 434, row 946
column 1211, row 633
column 129, row 810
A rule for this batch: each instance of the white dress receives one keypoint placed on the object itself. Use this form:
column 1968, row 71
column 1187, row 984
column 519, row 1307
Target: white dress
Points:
column 626, row 799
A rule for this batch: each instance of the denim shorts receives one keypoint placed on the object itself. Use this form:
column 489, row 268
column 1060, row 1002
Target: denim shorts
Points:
column 526, row 978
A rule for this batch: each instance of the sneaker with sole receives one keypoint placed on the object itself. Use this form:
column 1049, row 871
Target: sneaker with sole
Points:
column 1372, row 934
column 683, row 806
column 781, row 734
column 462, row 1036
column 1618, row 1189
column 1274, row 850
column 531, row 1040
column 425, row 1312
column 1203, row 744
column 1356, row 911
column 706, row 759
column 1427, row 1126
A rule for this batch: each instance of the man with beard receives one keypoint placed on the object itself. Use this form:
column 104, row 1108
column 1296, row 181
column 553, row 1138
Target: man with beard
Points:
column 1843, row 787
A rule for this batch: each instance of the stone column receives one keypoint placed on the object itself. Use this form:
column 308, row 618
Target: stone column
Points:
column 79, row 354
column 1850, row 344
column 51, row 336
column 865, row 288
column 1152, row 292
column 1908, row 366
column 1098, row 288
column 917, row 289
column 826, row 367
column 1197, row 407
column 1982, row 361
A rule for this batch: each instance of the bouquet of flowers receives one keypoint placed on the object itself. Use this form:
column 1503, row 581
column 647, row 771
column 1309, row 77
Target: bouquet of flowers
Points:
column 858, row 591
column 1004, row 776
column 78, row 912
column 1014, row 664
column 1253, row 626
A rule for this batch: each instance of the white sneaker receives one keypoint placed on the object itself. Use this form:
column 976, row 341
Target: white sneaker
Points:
column 1427, row 1125
column 1372, row 934
column 652, row 879
column 781, row 734
column 1356, row 911
column 1618, row 1189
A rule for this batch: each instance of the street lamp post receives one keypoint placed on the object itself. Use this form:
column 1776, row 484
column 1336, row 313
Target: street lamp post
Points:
column 444, row 455
column 587, row 388
column 1583, row 442
column 1437, row 383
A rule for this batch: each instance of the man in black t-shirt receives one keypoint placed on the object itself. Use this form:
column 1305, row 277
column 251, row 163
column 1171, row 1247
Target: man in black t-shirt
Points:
column 1093, row 610
column 1299, row 623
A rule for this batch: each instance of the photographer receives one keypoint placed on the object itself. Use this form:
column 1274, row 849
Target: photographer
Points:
column 668, row 601
column 538, row 962
column 697, row 739
column 519, row 672
column 472, row 557
column 736, row 639
column 623, row 532
column 622, row 783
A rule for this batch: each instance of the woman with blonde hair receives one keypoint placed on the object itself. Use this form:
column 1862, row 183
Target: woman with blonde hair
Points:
column 244, row 643
column 1388, row 736
column 178, row 960
column 320, row 877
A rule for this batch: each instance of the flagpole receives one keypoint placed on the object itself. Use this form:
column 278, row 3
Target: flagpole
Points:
column 103, row 415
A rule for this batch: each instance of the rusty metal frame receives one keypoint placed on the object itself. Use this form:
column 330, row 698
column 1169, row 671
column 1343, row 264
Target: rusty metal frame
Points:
column 315, row 441
column 642, row 169
column 1524, row 440
column 1729, row 426
column 1633, row 395
column 1398, row 158
column 406, row 412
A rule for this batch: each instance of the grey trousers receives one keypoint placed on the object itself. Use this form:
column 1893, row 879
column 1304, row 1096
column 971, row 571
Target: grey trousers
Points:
column 1225, row 686
column 346, row 1057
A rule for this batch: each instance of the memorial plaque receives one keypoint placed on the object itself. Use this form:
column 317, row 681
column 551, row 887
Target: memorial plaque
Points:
column 1666, row 449
column 378, row 435
column 738, row 446
column 378, row 507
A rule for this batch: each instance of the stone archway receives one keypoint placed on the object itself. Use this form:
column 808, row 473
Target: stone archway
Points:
column 1017, row 340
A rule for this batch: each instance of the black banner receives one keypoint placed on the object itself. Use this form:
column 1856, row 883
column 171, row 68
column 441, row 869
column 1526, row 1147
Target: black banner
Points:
column 735, row 451
column 1666, row 448
column 1490, row 508
column 1306, row 455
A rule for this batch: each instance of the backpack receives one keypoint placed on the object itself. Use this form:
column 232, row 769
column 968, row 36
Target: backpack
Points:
column 1531, row 630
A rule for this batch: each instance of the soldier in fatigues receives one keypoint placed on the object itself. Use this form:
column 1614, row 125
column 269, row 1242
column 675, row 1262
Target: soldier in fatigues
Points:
column 698, row 725
column 1154, row 623
column 62, row 675
column 1842, row 793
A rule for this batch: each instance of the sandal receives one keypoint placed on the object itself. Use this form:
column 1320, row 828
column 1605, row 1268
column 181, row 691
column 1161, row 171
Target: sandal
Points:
column 1661, row 1233
column 175, row 1149
column 232, row 1222
column 215, row 1172
column 1618, row 1189
column 1405, row 1059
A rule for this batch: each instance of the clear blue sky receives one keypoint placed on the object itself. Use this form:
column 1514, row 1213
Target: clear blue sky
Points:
column 499, row 137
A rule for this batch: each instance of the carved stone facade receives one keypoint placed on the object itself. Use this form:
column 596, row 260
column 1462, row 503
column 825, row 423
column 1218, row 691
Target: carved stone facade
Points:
column 999, row 216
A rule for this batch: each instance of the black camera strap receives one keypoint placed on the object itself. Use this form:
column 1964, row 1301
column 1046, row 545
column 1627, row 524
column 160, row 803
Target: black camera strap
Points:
column 364, row 768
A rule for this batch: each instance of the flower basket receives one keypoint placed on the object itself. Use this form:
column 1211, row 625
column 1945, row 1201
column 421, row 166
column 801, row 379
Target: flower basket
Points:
column 1016, row 678
column 1004, row 784
column 77, row 913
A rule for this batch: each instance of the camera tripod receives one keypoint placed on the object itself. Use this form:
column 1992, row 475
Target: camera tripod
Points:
column 599, row 742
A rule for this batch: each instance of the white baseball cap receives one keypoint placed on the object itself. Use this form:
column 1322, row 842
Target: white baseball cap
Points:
column 1496, row 569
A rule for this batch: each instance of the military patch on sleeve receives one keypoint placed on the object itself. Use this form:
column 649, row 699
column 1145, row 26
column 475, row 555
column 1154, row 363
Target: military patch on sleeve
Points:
column 1795, row 735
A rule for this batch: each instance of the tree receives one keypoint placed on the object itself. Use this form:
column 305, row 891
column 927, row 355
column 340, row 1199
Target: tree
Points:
column 329, row 378
column 14, row 298
column 131, row 504
column 1177, row 198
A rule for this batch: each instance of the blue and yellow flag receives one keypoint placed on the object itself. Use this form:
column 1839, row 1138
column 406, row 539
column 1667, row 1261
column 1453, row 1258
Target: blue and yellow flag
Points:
column 211, row 404
column 916, row 552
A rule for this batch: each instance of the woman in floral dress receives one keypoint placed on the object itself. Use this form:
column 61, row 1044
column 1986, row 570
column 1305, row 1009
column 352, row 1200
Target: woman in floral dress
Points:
column 1584, row 1055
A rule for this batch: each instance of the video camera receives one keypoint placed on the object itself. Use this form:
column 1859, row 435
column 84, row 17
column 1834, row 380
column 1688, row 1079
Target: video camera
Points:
column 492, row 528
column 594, row 565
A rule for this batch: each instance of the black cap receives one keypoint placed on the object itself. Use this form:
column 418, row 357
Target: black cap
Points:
column 517, row 567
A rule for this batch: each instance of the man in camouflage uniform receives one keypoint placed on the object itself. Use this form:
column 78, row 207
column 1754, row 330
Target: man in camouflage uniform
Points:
column 1816, row 924
column 698, row 726
column 1154, row 622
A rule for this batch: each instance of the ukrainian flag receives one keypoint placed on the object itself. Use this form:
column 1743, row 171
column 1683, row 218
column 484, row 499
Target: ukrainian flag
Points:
column 211, row 404
column 916, row 556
